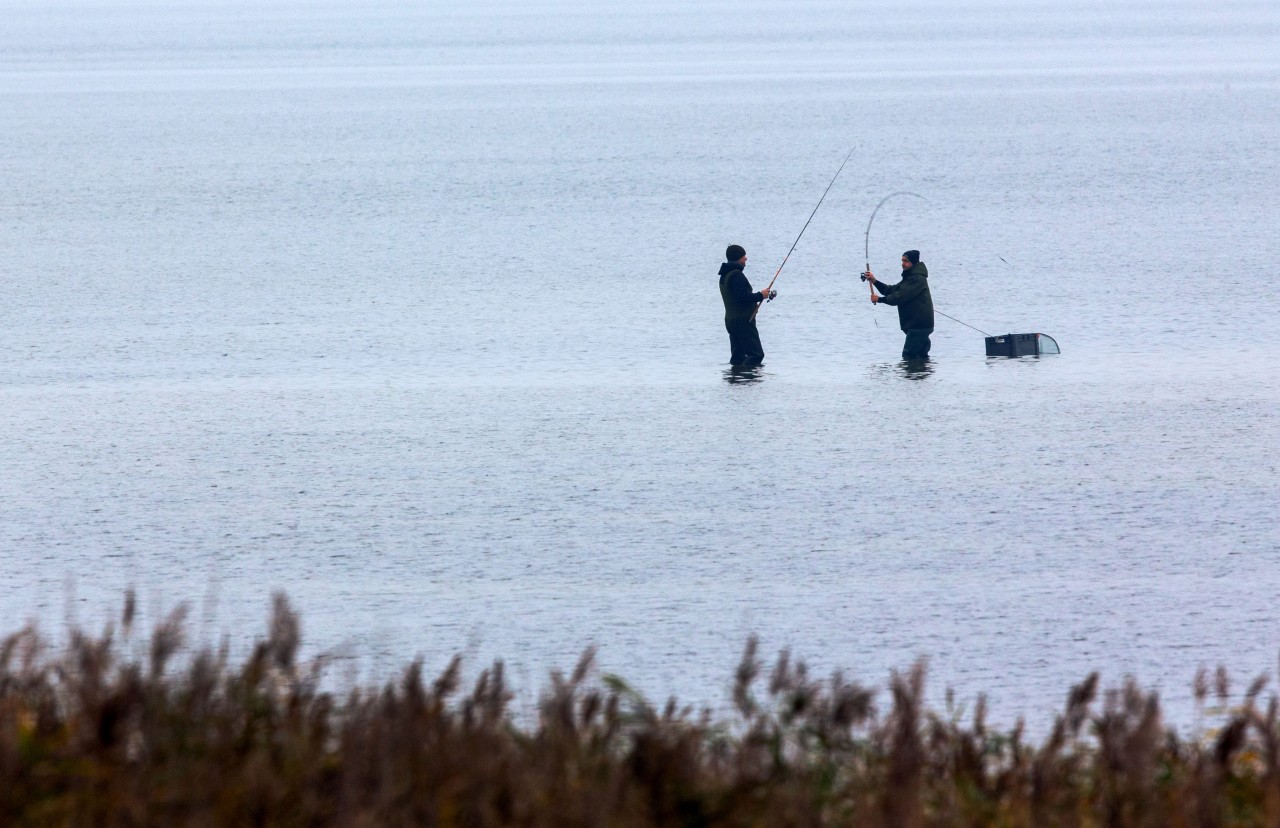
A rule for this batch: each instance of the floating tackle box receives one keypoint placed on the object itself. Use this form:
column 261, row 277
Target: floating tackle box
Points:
column 1024, row 344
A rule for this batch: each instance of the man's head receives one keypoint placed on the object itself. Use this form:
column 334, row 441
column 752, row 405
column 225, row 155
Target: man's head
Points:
column 910, row 259
column 735, row 253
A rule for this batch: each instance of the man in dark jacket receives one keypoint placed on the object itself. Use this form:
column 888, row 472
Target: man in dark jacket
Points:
column 915, row 305
column 740, row 304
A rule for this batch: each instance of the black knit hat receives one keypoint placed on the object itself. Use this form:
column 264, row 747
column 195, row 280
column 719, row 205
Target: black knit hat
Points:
column 734, row 253
column 913, row 256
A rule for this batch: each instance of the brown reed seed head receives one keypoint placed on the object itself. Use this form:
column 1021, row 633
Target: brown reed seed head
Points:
column 90, row 736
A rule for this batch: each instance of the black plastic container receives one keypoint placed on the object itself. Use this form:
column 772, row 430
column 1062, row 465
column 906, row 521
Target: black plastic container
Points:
column 1023, row 344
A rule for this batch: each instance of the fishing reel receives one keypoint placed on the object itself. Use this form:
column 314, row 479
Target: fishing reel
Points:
column 863, row 276
column 770, row 295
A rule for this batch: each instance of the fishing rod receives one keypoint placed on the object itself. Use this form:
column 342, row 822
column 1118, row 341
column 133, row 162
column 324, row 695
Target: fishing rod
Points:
column 866, row 247
column 866, row 250
column 769, row 289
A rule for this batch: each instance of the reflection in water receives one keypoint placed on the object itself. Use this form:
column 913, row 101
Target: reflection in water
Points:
column 1025, row 359
column 912, row 369
column 735, row 374
column 915, row 369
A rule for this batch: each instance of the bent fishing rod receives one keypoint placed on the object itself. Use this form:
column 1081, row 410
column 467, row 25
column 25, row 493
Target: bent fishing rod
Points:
column 767, row 290
column 866, row 251
column 866, row 239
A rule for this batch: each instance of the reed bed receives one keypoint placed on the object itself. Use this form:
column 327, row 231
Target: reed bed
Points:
column 92, row 735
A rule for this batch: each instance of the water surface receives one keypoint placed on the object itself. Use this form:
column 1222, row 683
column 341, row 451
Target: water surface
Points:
column 411, row 312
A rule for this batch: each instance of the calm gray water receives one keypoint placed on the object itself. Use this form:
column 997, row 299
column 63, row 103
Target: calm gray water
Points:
column 411, row 311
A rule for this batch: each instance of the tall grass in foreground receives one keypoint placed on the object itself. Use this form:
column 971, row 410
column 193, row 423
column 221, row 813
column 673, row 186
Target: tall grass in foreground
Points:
column 91, row 736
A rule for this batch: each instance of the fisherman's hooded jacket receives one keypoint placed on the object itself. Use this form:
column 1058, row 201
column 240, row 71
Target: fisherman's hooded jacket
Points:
column 739, row 300
column 911, row 296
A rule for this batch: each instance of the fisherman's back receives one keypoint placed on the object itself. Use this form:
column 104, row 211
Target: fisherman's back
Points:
column 735, row 291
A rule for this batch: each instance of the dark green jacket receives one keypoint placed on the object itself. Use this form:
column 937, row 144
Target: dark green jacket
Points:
column 911, row 296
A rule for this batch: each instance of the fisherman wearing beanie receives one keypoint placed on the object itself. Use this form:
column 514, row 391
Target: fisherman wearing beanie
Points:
column 915, row 305
column 740, row 304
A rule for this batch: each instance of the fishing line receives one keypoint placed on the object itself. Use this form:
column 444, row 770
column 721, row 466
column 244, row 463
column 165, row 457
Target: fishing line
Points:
column 966, row 324
column 802, row 229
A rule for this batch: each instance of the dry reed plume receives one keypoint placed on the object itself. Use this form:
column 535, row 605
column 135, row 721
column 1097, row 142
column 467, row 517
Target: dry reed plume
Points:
column 90, row 736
